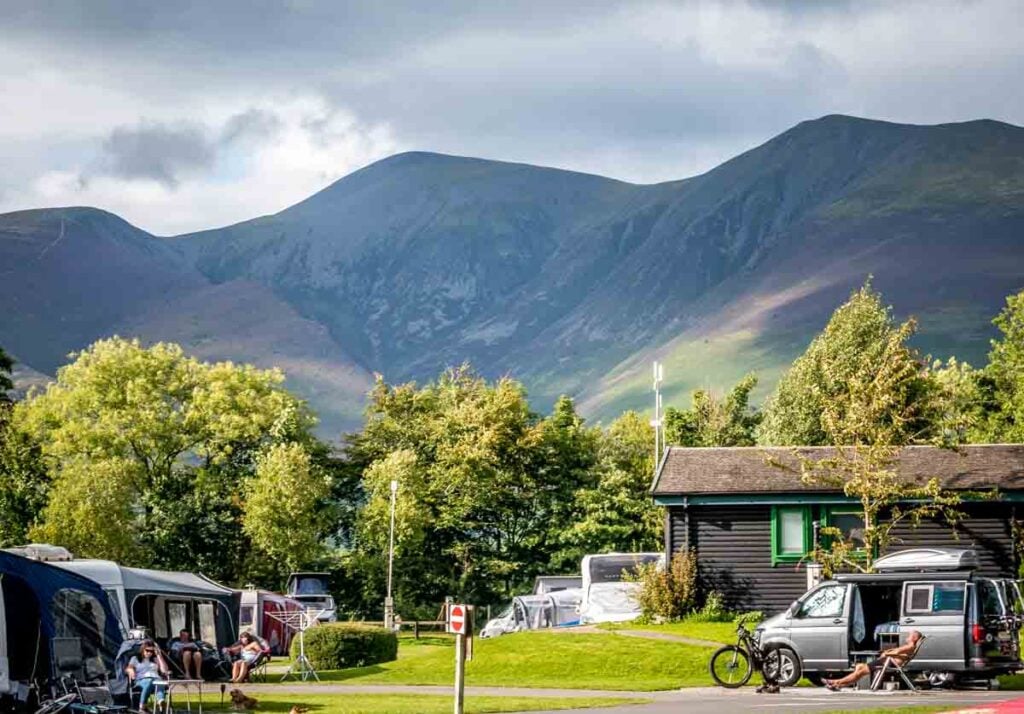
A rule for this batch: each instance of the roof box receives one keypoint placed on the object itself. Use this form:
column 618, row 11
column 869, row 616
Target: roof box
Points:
column 42, row 551
column 928, row 559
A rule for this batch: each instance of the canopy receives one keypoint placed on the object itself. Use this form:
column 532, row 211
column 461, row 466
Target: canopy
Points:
column 109, row 574
column 56, row 619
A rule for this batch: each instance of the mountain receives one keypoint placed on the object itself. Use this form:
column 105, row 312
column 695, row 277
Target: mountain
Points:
column 568, row 281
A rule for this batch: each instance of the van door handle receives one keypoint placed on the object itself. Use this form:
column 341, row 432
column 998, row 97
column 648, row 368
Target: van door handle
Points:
column 837, row 621
column 908, row 620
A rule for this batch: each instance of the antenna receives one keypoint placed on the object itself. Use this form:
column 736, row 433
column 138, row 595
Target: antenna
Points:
column 658, row 372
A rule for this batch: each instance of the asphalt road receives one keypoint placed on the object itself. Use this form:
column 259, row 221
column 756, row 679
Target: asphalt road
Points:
column 697, row 700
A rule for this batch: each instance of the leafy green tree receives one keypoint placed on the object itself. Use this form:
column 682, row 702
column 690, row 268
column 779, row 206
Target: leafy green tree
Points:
column 1002, row 383
column 711, row 421
column 958, row 408
column 283, row 506
column 485, row 487
column 617, row 514
column 147, row 431
column 858, row 337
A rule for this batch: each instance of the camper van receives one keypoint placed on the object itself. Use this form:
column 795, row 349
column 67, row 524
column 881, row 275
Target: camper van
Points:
column 607, row 595
column 313, row 591
column 970, row 623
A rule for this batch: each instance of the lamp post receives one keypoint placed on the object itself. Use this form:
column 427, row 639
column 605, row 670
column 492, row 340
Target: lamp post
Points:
column 389, row 603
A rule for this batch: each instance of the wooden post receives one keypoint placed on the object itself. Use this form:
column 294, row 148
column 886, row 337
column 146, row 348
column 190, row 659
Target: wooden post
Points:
column 416, row 628
column 460, row 673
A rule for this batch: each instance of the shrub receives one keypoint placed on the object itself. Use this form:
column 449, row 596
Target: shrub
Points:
column 338, row 645
column 713, row 610
column 670, row 593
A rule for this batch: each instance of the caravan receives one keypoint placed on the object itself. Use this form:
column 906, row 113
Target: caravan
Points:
column 256, row 612
column 607, row 595
column 313, row 591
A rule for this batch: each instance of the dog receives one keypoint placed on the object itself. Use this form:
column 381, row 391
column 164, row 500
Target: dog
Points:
column 240, row 702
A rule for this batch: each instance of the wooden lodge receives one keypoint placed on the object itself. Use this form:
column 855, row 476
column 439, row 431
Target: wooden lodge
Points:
column 752, row 523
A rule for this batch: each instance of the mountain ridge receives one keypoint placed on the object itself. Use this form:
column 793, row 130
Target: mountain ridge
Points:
column 571, row 281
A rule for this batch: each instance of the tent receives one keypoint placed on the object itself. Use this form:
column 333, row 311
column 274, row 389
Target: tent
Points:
column 165, row 602
column 52, row 622
column 535, row 612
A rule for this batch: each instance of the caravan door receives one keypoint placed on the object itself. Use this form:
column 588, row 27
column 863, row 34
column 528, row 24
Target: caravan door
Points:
column 937, row 609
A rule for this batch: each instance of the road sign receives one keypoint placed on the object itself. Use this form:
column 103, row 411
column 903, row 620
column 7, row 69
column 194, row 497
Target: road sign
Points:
column 457, row 619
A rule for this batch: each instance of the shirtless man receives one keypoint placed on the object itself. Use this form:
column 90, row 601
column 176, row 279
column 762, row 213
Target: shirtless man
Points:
column 900, row 655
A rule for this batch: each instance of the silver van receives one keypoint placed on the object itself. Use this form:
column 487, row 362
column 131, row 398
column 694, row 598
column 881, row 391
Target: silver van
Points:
column 970, row 623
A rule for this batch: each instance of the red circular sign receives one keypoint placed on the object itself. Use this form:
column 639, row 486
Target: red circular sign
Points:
column 457, row 618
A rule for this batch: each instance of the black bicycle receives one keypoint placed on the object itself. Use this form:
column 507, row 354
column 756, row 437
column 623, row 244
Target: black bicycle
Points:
column 732, row 666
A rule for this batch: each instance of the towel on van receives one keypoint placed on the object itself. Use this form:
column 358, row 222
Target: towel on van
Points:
column 886, row 628
column 857, row 627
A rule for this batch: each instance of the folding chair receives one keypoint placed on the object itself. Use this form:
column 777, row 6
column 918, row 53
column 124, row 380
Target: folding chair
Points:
column 891, row 666
column 258, row 669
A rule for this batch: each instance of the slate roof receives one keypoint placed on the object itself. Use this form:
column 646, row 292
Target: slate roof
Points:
column 748, row 469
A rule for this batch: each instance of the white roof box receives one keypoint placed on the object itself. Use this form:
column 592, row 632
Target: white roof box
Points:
column 928, row 559
column 42, row 551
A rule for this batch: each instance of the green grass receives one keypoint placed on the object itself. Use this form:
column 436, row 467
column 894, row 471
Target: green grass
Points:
column 544, row 659
column 723, row 632
column 429, row 703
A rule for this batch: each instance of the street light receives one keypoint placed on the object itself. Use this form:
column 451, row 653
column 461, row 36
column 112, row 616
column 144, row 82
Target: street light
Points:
column 389, row 603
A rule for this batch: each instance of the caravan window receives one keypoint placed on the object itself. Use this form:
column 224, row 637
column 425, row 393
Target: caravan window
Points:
column 245, row 618
column 934, row 598
column 177, row 617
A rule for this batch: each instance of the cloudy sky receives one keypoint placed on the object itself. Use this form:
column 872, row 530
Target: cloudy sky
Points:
column 185, row 115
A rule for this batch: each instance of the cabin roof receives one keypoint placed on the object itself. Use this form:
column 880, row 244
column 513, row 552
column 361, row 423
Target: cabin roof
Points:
column 739, row 470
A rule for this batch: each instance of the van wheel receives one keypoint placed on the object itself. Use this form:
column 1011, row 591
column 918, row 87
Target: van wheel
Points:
column 782, row 664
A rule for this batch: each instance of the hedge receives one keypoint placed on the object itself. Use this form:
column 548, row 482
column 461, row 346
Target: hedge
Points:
column 337, row 645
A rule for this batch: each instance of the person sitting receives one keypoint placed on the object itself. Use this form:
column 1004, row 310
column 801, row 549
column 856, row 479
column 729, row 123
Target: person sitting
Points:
column 185, row 649
column 248, row 649
column 899, row 655
column 145, row 670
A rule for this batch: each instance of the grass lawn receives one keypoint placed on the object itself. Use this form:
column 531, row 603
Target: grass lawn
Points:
column 543, row 659
column 724, row 632
column 426, row 704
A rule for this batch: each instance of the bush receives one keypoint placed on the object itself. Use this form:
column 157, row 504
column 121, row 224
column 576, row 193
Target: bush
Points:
column 668, row 594
column 713, row 610
column 338, row 645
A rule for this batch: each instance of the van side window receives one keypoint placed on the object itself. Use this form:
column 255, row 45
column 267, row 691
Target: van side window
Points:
column 934, row 598
column 824, row 602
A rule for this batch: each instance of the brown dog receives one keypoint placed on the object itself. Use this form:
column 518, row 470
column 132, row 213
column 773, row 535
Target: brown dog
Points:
column 240, row 702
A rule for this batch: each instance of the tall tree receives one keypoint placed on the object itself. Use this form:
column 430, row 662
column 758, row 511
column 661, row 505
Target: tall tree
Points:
column 714, row 421
column 6, row 383
column 137, row 427
column 1002, row 382
column 617, row 513
column 859, row 335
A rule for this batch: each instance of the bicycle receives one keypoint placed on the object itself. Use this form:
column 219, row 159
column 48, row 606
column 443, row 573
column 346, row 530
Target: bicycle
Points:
column 732, row 666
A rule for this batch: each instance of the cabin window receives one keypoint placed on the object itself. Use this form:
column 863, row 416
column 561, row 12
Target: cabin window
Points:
column 849, row 522
column 791, row 533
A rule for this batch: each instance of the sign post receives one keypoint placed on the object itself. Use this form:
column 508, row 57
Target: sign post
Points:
column 459, row 624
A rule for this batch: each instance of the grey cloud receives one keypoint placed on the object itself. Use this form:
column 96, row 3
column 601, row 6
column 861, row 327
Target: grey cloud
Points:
column 251, row 125
column 161, row 152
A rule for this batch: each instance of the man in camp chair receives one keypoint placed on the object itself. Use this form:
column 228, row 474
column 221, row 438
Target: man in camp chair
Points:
column 895, row 659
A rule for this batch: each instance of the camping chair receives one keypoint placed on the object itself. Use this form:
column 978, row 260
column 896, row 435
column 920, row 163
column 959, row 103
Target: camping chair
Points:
column 892, row 666
column 68, row 658
column 258, row 669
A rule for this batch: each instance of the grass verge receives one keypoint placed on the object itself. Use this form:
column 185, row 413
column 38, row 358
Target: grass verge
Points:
column 723, row 632
column 544, row 659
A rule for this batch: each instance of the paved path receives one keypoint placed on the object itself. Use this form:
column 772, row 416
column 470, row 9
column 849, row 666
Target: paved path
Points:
column 667, row 636
column 696, row 700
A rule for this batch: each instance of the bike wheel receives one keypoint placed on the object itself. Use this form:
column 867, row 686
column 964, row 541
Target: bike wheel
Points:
column 730, row 667
column 56, row 705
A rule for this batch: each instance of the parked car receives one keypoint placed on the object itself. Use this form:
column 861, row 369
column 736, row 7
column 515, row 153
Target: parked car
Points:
column 971, row 623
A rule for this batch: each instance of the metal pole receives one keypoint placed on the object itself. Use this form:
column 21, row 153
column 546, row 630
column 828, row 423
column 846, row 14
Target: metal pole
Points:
column 389, row 603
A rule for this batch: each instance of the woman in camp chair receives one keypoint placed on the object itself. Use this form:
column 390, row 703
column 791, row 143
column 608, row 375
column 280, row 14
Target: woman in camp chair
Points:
column 145, row 671
column 249, row 650
column 898, row 655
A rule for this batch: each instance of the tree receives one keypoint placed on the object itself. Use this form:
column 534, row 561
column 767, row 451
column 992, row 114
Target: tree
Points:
column 860, row 335
column 283, row 506
column 147, row 431
column 875, row 406
column 1002, row 383
column 492, row 484
column 711, row 421
column 617, row 514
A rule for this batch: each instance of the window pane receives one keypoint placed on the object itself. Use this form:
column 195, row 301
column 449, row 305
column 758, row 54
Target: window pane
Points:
column 826, row 602
column 851, row 525
column 948, row 597
column 920, row 598
column 176, row 611
column 207, row 623
column 791, row 532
